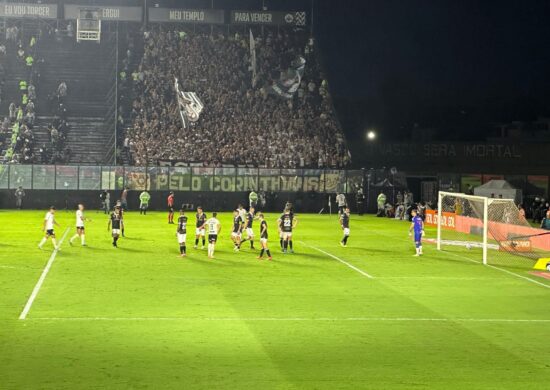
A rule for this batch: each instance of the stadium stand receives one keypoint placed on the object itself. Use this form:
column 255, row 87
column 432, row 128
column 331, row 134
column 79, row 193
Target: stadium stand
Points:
column 58, row 102
column 240, row 124
column 19, row 72
column 75, row 96
column 88, row 70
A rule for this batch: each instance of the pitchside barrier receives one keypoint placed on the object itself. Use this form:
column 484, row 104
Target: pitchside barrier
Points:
column 178, row 178
column 221, row 188
column 493, row 231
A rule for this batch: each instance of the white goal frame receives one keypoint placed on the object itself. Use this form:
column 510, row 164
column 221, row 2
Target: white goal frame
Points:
column 483, row 199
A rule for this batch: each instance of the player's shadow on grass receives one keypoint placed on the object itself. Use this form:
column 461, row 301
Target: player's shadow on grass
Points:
column 373, row 250
column 206, row 260
column 127, row 249
column 316, row 256
column 285, row 261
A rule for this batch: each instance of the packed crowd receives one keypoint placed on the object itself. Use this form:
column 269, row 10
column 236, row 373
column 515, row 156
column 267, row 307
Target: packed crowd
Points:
column 240, row 124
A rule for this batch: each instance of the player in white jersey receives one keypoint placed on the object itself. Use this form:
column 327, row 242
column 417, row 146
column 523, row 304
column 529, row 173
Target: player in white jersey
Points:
column 80, row 219
column 341, row 201
column 242, row 212
column 213, row 227
column 48, row 228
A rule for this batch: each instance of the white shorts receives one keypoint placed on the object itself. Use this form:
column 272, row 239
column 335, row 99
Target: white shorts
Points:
column 287, row 235
column 263, row 240
column 181, row 237
column 116, row 232
column 249, row 232
column 235, row 235
column 199, row 232
column 346, row 231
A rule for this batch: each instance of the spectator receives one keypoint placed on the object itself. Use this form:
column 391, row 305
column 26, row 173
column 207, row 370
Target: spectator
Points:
column 381, row 202
column 545, row 224
column 19, row 195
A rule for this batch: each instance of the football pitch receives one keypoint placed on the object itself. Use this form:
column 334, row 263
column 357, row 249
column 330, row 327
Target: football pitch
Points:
column 366, row 316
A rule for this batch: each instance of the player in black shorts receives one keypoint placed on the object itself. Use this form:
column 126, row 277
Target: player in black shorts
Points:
column 263, row 238
column 182, row 232
column 115, row 222
column 200, row 230
column 344, row 222
column 248, row 227
column 287, row 222
column 237, row 229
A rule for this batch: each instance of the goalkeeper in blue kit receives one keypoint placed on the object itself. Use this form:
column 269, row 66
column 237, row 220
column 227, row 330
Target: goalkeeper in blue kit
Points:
column 417, row 226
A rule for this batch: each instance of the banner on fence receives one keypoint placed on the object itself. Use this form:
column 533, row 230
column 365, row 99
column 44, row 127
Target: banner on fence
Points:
column 178, row 15
column 25, row 10
column 448, row 220
column 290, row 18
column 106, row 12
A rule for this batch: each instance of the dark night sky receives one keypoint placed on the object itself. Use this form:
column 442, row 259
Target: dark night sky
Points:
column 452, row 65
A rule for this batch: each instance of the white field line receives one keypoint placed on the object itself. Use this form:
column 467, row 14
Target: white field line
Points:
column 341, row 261
column 296, row 319
column 434, row 277
column 488, row 265
column 519, row 276
column 36, row 289
column 505, row 271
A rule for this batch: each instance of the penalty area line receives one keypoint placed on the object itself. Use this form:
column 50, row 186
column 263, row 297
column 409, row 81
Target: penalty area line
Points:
column 503, row 270
column 487, row 265
column 297, row 319
column 341, row 261
column 45, row 271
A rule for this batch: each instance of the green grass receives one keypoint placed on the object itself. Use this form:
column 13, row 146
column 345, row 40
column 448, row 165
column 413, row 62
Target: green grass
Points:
column 140, row 317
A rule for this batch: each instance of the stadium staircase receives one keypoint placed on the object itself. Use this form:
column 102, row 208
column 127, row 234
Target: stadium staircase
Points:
column 89, row 71
column 127, row 93
column 15, row 70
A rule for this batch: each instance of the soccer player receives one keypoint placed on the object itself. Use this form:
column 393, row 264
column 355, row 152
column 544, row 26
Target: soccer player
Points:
column 344, row 222
column 280, row 230
column 237, row 229
column 118, row 205
column 182, row 232
column 417, row 225
column 80, row 219
column 341, row 201
column 214, row 228
column 115, row 222
column 48, row 228
column 124, row 199
column 287, row 223
column 200, row 232
column 242, row 212
column 263, row 238
column 144, row 199
column 248, row 226
column 170, row 202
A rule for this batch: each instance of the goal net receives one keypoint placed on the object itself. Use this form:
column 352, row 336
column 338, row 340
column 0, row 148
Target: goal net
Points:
column 489, row 230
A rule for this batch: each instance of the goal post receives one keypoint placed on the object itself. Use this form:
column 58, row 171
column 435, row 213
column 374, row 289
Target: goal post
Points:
column 471, row 208
column 488, row 230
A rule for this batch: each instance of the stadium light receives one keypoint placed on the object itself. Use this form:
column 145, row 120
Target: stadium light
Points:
column 371, row 135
